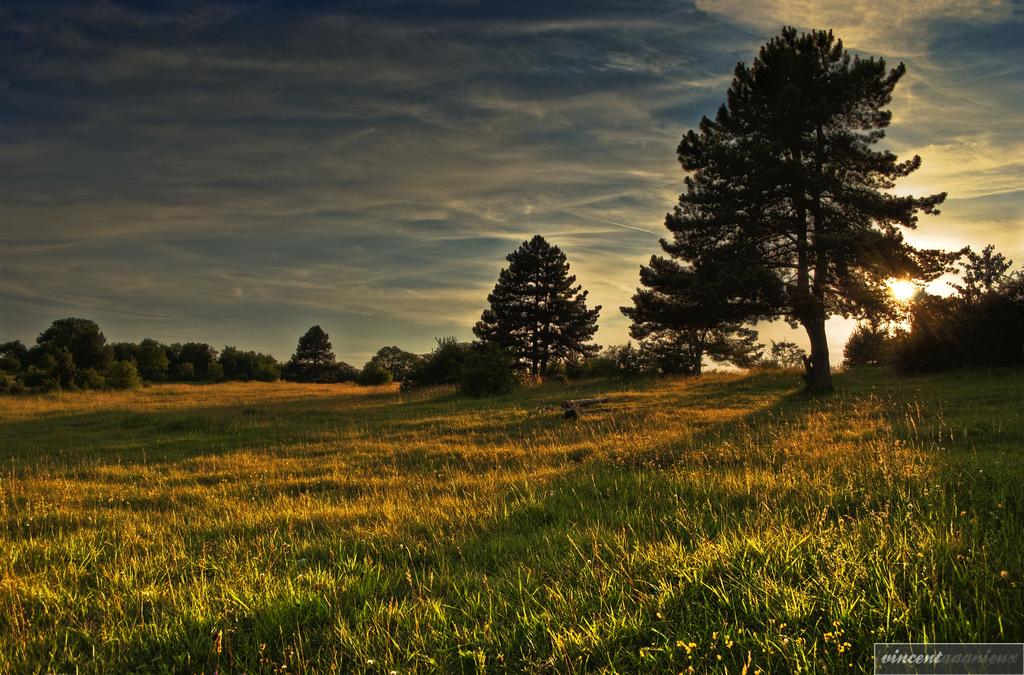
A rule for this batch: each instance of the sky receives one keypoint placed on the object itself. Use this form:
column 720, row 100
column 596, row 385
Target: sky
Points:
column 235, row 172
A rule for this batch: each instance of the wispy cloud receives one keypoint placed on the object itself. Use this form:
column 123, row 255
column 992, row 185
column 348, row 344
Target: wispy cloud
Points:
column 232, row 172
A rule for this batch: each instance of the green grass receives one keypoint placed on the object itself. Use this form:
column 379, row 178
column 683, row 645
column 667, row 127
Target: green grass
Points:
column 719, row 523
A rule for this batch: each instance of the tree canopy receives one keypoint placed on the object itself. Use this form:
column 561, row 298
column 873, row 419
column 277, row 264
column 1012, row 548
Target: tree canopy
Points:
column 787, row 211
column 537, row 310
column 313, row 360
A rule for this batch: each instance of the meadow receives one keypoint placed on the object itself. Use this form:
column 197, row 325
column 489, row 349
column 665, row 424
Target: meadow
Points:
column 725, row 523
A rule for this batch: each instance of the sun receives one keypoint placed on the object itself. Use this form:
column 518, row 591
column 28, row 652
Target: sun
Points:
column 902, row 290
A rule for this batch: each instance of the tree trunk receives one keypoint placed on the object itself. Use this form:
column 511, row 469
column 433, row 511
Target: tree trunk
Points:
column 817, row 372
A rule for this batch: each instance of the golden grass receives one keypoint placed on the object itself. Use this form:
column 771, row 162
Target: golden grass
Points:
column 283, row 527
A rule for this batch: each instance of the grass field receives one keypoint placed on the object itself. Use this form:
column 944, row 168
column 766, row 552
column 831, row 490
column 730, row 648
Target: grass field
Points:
column 719, row 523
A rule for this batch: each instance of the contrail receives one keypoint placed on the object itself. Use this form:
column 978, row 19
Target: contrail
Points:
column 610, row 222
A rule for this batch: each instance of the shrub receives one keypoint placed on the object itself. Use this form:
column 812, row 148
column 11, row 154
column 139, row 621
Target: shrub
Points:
column 868, row 345
column 487, row 371
column 440, row 366
column 90, row 378
column 10, row 384
column 373, row 373
column 123, row 375
column 267, row 372
column 215, row 372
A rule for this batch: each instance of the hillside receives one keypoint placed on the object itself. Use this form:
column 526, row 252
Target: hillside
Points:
column 712, row 522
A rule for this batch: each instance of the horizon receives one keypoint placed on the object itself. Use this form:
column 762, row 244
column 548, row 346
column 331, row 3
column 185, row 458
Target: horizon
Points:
column 235, row 174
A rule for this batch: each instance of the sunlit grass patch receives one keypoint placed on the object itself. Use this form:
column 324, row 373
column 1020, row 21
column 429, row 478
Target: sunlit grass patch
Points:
column 717, row 523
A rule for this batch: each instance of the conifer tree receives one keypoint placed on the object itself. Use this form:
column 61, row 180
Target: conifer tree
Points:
column 537, row 310
column 313, row 360
column 787, row 211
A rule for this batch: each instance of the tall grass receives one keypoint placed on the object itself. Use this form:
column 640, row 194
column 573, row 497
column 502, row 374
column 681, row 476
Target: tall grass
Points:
column 716, row 524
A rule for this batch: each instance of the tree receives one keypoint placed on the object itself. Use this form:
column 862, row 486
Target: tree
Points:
column 983, row 325
column 372, row 374
column 682, row 352
column 784, row 354
column 123, row 375
column 13, row 356
column 81, row 338
column 487, row 371
column 787, row 211
column 313, row 360
column 984, row 273
column 248, row 365
column 537, row 311
column 441, row 366
column 190, row 361
column 870, row 344
column 397, row 361
column 151, row 360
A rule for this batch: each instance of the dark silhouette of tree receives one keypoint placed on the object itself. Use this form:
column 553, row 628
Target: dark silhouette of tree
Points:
column 313, row 360
column 248, row 365
column 192, row 360
column 984, row 273
column 870, row 344
column 784, row 354
column 682, row 352
column 441, row 366
column 982, row 325
column 13, row 356
column 152, row 361
column 537, row 311
column 397, row 361
column 786, row 211
column 81, row 338
column 687, row 316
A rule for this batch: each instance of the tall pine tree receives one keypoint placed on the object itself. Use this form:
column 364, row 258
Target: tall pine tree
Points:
column 787, row 211
column 313, row 360
column 537, row 311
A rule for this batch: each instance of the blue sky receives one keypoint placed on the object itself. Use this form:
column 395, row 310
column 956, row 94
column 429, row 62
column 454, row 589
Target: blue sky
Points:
column 236, row 172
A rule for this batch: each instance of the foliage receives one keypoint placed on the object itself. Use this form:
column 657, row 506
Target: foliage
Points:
column 439, row 367
column 152, row 361
column 90, row 378
column 313, row 360
column 373, row 373
column 398, row 362
column 787, row 210
column 537, row 311
column 81, row 338
column 248, row 365
column 191, row 361
column 123, row 375
column 983, row 325
column 682, row 352
column 783, row 354
column 13, row 356
column 870, row 344
column 487, row 371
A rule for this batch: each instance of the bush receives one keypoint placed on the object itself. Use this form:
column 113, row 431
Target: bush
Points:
column 123, row 375
column 956, row 332
column 215, row 372
column 373, row 373
column 10, row 384
column 267, row 372
column 868, row 345
column 440, row 366
column 90, row 378
column 487, row 371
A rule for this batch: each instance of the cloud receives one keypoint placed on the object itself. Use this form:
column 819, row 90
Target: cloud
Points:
column 238, row 172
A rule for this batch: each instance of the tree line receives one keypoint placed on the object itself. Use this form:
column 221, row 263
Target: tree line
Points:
column 787, row 212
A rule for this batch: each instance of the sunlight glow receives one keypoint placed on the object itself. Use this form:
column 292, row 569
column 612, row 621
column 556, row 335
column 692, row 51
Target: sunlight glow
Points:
column 902, row 290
